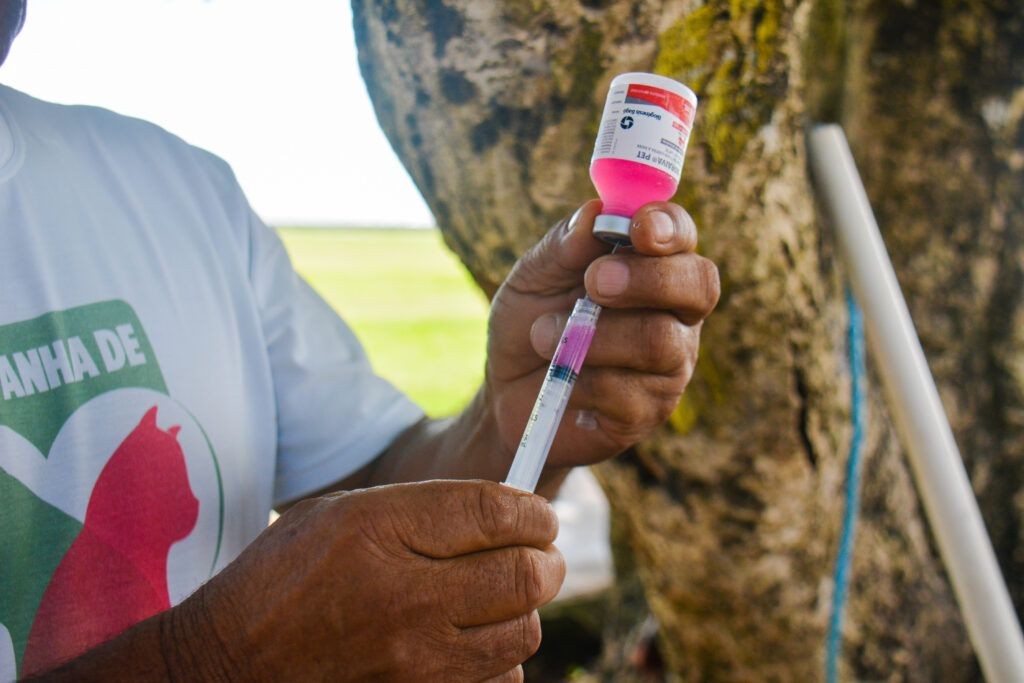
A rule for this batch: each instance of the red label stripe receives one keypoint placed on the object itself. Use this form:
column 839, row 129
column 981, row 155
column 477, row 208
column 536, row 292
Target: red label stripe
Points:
column 669, row 101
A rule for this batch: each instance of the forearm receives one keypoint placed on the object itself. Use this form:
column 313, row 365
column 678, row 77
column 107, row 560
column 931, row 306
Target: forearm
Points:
column 171, row 646
column 468, row 446
column 135, row 655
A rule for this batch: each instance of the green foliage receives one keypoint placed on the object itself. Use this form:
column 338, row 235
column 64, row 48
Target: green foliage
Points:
column 415, row 308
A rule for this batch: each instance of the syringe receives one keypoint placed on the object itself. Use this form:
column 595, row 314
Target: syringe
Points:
column 554, row 396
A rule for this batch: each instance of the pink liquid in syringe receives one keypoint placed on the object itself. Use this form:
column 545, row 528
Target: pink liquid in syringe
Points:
column 572, row 350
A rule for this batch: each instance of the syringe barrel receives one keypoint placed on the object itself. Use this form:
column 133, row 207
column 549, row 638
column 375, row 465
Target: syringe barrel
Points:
column 554, row 396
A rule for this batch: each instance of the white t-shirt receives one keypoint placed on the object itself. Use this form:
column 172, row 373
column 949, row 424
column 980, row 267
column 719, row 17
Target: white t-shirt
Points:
column 165, row 377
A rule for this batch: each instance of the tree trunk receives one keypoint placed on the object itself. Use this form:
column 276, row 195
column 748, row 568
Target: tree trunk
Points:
column 733, row 510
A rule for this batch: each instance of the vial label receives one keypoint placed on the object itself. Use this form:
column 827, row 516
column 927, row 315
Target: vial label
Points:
column 646, row 124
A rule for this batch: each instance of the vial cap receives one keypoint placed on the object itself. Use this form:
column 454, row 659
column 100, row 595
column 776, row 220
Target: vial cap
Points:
column 612, row 229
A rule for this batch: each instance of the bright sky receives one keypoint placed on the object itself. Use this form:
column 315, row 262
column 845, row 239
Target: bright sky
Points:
column 272, row 86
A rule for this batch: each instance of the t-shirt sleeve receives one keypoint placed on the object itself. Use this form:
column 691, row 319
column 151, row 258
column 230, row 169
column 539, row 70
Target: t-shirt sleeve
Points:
column 334, row 415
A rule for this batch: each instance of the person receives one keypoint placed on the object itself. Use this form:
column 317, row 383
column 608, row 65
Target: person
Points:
column 166, row 378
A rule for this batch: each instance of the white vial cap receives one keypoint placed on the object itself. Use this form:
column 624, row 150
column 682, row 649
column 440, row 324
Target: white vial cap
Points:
column 612, row 229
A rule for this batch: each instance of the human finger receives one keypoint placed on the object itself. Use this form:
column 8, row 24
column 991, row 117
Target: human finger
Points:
column 628, row 402
column 661, row 229
column 513, row 676
column 495, row 649
column 444, row 519
column 639, row 339
column 498, row 585
column 556, row 263
column 686, row 284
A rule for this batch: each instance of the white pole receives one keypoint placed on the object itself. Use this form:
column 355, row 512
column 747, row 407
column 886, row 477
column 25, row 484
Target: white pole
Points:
column 917, row 412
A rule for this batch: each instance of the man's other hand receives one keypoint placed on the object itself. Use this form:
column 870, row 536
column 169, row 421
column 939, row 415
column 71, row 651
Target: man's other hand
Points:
column 655, row 298
column 433, row 581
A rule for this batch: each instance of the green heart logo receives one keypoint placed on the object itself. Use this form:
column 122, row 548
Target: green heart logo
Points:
column 73, row 385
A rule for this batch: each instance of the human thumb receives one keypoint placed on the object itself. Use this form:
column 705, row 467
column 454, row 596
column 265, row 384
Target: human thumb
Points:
column 558, row 261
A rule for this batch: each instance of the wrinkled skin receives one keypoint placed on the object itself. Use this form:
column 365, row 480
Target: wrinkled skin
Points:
column 655, row 297
column 434, row 581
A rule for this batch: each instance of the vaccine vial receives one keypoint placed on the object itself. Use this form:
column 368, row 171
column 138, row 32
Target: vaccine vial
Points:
column 640, row 146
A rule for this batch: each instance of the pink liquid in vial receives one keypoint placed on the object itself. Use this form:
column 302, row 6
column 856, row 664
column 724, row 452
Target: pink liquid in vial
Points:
column 624, row 186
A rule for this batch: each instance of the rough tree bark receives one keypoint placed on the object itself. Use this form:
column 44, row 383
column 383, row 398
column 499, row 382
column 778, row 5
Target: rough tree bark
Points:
column 733, row 511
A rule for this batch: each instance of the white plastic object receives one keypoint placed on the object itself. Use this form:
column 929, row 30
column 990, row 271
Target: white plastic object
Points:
column 918, row 414
column 553, row 397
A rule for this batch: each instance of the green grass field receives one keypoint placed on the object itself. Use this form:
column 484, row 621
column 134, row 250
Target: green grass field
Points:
column 413, row 305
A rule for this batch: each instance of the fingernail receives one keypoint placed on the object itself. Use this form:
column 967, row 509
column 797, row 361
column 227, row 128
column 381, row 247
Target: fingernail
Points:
column 570, row 227
column 663, row 226
column 544, row 334
column 612, row 278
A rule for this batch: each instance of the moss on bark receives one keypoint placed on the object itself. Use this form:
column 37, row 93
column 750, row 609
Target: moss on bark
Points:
column 729, row 52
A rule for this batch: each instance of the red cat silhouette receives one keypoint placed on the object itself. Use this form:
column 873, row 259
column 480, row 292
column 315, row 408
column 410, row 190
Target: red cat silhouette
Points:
column 115, row 573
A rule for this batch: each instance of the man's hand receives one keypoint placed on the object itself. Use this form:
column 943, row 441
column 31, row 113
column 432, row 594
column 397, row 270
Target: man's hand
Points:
column 655, row 298
column 432, row 581
column 437, row 581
